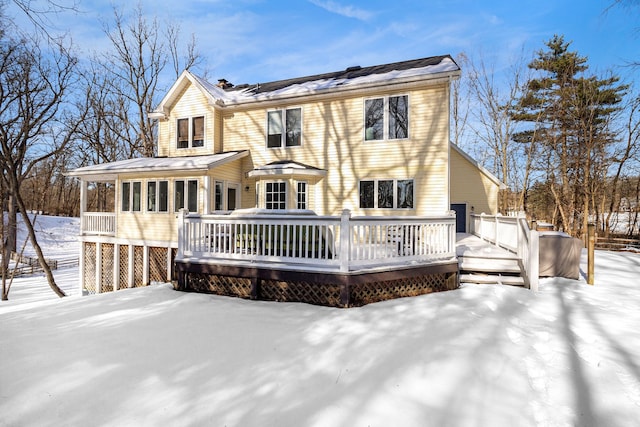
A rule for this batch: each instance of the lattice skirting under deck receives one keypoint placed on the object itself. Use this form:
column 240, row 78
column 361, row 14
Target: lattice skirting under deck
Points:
column 121, row 268
column 335, row 290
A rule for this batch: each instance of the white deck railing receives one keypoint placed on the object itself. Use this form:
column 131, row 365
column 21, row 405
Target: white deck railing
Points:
column 511, row 233
column 98, row 223
column 339, row 243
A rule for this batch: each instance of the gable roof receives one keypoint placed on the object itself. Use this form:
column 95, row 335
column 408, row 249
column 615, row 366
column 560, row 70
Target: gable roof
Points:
column 482, row 169
column 349, row 79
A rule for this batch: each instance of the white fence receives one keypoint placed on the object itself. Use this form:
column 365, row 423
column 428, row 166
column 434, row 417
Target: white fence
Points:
column 98, row 223
column 339, row 243
column 511, row 233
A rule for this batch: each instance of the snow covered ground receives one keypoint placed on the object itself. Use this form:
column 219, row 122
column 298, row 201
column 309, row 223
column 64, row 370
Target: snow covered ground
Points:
column 568, row 355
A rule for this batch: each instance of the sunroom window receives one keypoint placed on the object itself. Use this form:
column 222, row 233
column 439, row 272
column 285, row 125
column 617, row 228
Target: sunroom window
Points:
column 157, row 196
column 131, row 196
column 284, row 128
column 186, row 195
column 386, row 194
column 386, row 118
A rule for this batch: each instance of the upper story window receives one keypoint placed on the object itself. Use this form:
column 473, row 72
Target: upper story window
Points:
column 386, row 118
column 284, row 128
column 386, row 194
column 190, row 132
column 131, row 196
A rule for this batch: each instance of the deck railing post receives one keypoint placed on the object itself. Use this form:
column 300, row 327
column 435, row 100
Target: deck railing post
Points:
column 345, row 240
column 534, row 259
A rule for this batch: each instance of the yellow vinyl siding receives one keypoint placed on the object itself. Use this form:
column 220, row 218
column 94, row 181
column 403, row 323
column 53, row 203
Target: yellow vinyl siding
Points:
column 333, row 140
column 469, row 185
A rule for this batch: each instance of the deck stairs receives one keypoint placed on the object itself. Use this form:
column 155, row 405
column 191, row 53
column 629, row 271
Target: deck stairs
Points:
column 482, row 263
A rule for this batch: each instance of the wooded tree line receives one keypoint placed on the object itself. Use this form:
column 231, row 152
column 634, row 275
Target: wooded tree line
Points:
column 564, row 139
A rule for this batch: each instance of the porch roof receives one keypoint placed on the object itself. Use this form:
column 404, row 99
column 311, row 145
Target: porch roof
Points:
column 110, row 171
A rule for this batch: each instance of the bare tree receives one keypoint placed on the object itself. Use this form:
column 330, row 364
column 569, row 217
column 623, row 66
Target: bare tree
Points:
column 34, row 125
column 139, row 56
column 494, row 125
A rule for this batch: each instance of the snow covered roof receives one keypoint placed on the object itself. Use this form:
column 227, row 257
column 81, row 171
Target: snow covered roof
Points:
column 286, row 167
column 351, row 78
column 156, row 164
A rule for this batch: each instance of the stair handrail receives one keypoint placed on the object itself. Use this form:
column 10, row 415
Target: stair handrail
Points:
column 499, row 231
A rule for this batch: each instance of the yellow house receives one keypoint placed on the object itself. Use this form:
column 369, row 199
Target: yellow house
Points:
column 370, row 140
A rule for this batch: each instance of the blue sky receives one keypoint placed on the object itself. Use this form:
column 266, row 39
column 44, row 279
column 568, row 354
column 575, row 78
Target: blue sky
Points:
column 249, row 41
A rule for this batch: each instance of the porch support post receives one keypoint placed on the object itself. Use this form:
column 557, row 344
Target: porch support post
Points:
column 98, row 267
column 130, row 266
column 83, row 204
column 145, row 265
column 345, row 240
column 81, row 262
column 497, row 232
column 116, row 267
column 206, row 190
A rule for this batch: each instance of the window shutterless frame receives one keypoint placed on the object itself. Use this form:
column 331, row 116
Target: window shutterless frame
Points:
column 386, row 194
column 386, row 118
column 190, row 132
column 284, row 128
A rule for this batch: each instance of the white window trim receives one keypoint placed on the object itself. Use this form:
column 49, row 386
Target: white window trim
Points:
column 190, row 131
column 306, row 194
column 385, row 119
column 142, row 196
column 146, row 196
column 283, row 139
column 185, row 196
column 395, row 193
column 286, row 192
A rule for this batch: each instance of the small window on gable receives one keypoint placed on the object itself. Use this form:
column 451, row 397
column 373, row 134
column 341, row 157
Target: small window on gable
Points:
column 284, row 128
column 386, row 118
column 190, row 132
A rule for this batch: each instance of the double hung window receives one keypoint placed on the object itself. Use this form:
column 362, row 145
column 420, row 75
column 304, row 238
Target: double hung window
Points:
column 186, row 195
column 386, row 194
column 157, row 196
column 301, row 194
column 386, row 118
column 284, row 128
column 131, row 196
column 190, row 132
